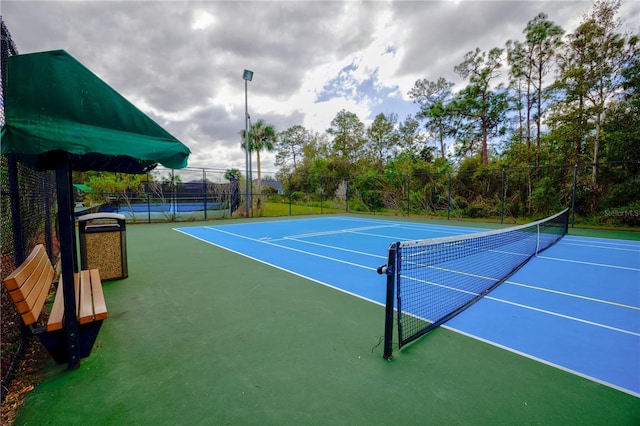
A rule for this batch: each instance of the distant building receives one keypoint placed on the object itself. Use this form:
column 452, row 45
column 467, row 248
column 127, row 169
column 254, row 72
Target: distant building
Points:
column 272, row 183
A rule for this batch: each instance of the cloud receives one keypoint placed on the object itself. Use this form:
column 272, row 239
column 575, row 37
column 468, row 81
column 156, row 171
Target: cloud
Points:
column 182, row 62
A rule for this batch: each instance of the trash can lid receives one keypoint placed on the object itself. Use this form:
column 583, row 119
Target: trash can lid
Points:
column 94, row 216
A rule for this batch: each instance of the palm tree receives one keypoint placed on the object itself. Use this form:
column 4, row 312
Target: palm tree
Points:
column 262, row 137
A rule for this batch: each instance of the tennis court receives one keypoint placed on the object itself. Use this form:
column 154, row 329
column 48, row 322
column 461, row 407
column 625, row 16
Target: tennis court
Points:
column 198, row 334
column 575, row 307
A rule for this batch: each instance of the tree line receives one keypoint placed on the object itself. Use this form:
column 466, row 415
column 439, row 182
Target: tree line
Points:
column 551, row 98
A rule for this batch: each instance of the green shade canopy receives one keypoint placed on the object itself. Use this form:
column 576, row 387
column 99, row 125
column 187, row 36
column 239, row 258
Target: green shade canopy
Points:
column 54, row 105
column 82, row 187
column 60, row 116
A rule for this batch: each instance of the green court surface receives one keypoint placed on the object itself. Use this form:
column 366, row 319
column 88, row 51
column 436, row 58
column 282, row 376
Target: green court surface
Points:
column 198, row 335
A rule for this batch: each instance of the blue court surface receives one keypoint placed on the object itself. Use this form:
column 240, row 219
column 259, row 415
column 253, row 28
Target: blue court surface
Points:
column 576, row 306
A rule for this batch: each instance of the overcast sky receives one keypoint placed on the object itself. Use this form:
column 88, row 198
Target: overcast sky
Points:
column 182, row 62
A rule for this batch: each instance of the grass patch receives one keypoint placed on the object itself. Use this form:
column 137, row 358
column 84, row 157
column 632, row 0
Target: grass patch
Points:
column 286, row 209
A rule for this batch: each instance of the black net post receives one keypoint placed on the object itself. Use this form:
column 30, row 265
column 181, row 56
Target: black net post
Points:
column 389, row 271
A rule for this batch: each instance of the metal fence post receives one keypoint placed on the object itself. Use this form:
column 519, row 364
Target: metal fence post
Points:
column 502, row 199
column 449, row 196
column 408, row 195
column 321, row 192
column 14, row 197
column 347, row 195
column 573, row 195
column 204, row 191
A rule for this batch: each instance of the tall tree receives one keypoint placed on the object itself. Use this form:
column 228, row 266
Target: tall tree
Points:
column 530, row 62
column 520, row 82
column 590, row 75
column 382, row 139
column 410, row 138
column 348, row 134
column 289, row 147
column 622, row 126
column 543, row 38
column 481, row 108
column 262, row 137
column 434, row 99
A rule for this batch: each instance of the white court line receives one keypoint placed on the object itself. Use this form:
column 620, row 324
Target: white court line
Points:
column 533, row 308
column 269, row 242
column 602, row 242
column 434, row 267
column 541, row 360
column 336, row 232
column 420, row 226
column 635, row 250
column 359, row 231
column 453, row 328
column 603, row 265
column 276, row 266
column 591, row 323
column 462, row 229
column 544, row 311
column 577, row 296
column 334, row 247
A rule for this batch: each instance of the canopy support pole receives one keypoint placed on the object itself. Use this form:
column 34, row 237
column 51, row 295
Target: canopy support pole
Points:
column 67, row 252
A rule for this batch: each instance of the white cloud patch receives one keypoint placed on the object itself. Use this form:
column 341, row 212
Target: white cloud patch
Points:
column 202, row 20
column 182, row 62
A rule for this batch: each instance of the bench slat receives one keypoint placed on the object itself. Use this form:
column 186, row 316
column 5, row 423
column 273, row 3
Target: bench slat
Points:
column 91, row 303
column 15, row 280
column 85, row 307
column 24, row 283
column 30, row 283
column 28, row 294
column 57, row 311
column 38, row 297
column 29, row 287
column 99, row 304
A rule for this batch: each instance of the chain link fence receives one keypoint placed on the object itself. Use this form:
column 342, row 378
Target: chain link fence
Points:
column 27, row 218
column 162, row 195
column 508, row 195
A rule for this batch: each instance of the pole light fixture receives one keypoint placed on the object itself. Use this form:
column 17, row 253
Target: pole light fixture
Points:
column 247, row 76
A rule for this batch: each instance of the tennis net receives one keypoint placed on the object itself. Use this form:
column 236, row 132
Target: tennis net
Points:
column 435, row 279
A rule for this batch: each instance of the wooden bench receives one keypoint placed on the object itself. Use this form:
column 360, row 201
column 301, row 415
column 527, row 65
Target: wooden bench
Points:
column 29, row 286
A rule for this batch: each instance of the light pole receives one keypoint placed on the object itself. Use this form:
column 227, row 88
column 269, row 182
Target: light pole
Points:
column 250, row 171
column 247, row 76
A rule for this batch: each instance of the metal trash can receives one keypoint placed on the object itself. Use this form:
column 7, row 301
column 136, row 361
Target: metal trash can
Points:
column 103, row 244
